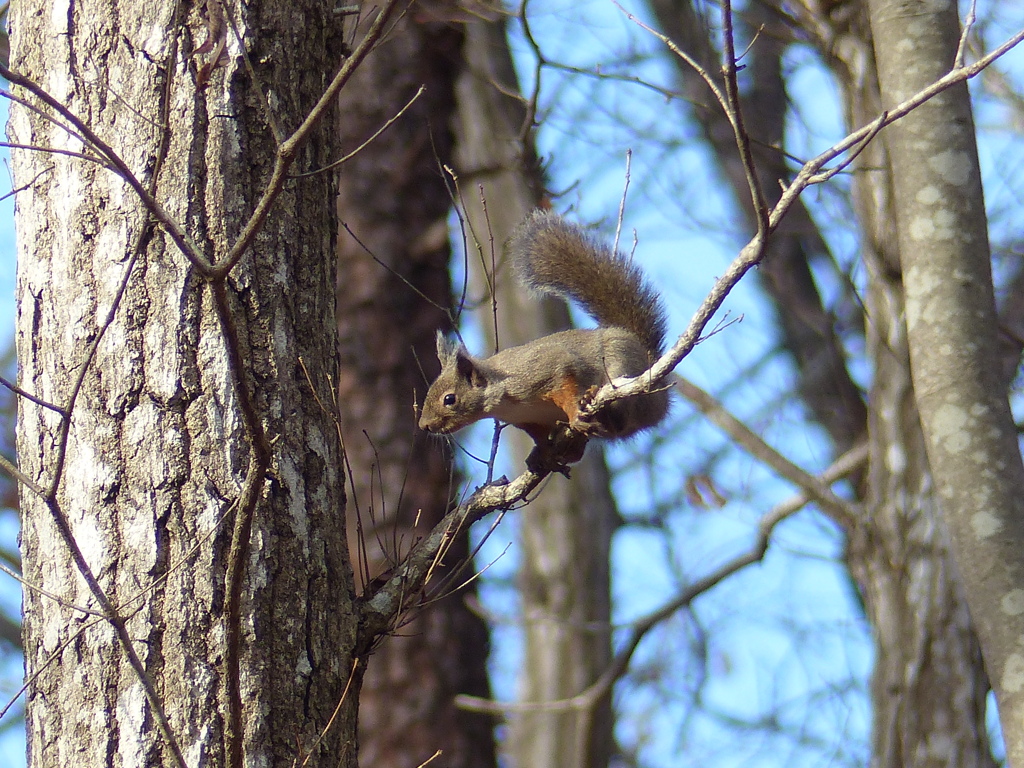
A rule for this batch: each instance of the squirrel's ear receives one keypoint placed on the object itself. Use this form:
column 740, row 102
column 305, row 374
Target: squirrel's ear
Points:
column 447, row 349
column 468, row 370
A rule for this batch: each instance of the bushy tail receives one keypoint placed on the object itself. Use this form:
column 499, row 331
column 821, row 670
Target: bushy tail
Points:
column 552, row 255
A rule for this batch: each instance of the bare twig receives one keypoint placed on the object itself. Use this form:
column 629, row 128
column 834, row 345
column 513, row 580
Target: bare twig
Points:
column 840, row 511
column 969, row 22
column 531, row 103
column 57, row 652
column 40, row 591
column 342, row 160
column 254, row 78
column 752, row 253
column 585, row 700
column 54, row 151
column 238, row 553
column 118, row 623
column 30, row 397
column 622, row 201
column 430, row 759
column 334, row 714
column 735, row 115
column 16, row 474
column 379, row 609
column 706, row 76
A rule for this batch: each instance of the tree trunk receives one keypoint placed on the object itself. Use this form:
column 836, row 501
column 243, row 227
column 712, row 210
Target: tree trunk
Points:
column 197, row 502
column 952, row 330
column 388, row 313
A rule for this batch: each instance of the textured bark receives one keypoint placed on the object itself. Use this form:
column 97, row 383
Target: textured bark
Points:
column 394, row 201
column 566, row 531
column 952, row 333
column 160, row 445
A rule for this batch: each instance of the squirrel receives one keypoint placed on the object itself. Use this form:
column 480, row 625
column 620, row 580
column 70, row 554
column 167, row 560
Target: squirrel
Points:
column 538, row 385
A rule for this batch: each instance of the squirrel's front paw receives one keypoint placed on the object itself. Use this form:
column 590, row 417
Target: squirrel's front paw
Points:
column 589, row 424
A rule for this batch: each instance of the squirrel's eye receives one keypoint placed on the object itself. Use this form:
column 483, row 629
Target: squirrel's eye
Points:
column 449, row 400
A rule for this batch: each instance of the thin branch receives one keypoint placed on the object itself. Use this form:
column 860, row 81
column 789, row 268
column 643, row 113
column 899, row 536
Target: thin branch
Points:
column 238, row 553
column 337, row 709
column 379, row 609
column 752, row 253
column 86, row 364
column 254, row 78
column 32, row 398
column 842, row 512
column 735, row 115
column 706, row 76
column 40, row 591
column 118, row 623
column 53, row 151
column 57, row 652
column 342, row 160
column 969, row 22
column 531, row 103
column 16, row 474
column 601, row 687
column 43, row 114
column 430, row 759
column 622, row 200
column 808, row 174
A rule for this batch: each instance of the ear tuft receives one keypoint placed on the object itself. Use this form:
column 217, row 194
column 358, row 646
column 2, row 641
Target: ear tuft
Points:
column 447, row 349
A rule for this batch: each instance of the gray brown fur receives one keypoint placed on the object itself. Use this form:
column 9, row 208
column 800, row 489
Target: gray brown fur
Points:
column 552, row 255
column 537, row 385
